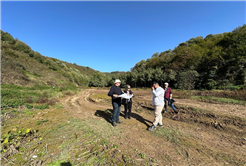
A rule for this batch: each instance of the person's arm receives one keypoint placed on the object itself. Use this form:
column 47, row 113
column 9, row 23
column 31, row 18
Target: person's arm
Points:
column 158, row 92
column 170, row 96
column 110, row 93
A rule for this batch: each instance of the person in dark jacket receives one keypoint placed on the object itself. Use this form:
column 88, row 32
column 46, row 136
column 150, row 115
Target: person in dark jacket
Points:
column 127, row 102
column 114, row 92
column 168, row 97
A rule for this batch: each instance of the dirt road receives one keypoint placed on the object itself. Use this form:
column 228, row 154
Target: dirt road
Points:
column 179, row 142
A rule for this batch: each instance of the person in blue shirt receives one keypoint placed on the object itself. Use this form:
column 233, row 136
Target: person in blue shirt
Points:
column 114, row 92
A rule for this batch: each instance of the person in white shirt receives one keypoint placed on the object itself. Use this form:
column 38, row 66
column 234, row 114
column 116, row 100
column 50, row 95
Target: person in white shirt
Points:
column 158, row 103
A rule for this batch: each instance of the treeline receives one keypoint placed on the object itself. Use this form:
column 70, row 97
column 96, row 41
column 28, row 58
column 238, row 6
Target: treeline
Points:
column 214, row 62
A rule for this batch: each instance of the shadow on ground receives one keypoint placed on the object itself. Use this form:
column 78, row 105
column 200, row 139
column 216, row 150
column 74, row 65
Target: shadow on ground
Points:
column 107, row 115
column 66, row 164
column 141, row 119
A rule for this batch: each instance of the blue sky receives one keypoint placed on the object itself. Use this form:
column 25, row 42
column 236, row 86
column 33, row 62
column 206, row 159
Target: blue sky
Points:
column 114, row 36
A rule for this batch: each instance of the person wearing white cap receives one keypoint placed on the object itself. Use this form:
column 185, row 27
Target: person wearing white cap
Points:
column 114, row 92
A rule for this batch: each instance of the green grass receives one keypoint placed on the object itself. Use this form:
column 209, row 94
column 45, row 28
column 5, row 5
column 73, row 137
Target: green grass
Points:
column 13, row 96
column 219, row 100
column 172, row 135
column 41, row 121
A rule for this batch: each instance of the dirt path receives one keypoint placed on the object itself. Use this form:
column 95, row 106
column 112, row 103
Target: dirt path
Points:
column 132, row 135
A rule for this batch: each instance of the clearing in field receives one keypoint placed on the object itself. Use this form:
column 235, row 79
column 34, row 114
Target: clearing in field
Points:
column 77, row 130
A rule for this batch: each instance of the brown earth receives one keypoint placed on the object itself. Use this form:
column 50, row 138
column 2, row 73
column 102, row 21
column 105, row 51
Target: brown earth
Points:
column 200, row 134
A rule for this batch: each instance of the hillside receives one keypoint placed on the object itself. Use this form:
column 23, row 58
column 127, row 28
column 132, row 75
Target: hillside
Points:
column 216, row 61
column 23, row 66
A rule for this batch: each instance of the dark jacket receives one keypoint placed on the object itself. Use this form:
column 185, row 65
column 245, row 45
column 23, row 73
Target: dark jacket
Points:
column 125, row 101
column 115, row 90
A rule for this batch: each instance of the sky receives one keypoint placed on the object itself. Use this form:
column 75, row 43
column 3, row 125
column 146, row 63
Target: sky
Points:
column 115, row 35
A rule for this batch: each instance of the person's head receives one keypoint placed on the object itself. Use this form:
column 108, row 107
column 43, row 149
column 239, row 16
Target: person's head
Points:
column 155, row 85
column 166, row 85
column 127, row 88
column 117, row 82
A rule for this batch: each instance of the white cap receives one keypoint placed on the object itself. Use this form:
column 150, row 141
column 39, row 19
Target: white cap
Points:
column 117, row 80
column 166, row 83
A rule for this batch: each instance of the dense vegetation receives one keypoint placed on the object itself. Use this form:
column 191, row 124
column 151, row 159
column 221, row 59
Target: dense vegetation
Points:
column 214, row 62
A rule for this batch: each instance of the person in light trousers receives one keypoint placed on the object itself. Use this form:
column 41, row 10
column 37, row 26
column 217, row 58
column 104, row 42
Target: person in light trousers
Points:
column 158, row 103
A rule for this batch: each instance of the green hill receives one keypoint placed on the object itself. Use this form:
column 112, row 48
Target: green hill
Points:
column 23, row 66
column 216, row 61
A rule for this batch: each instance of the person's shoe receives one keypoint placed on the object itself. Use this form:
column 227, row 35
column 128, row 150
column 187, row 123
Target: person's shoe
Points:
column 125, row 117
column 163, row 111
column 176, row 111
column 158, row 125
column 151, row 128
column 129, row 117
column 114, row 124
column 120, row 122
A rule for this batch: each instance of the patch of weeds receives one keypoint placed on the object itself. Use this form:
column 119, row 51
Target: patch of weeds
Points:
column 152, row 160
column 172, row 135
column 104, row 142
column 16, row 136
column 59, row 106
column 196, row 110
column 41, row 154
column 28, row 112
column 142, row 155
column 41, row 121
column 115, row 146
column 42, row 106
column 29, row 106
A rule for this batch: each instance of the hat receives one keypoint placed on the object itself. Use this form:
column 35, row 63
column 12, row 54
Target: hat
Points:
column 117, row 80
column 166, row 83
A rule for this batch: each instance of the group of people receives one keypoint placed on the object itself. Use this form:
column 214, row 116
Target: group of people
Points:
column 159, row 101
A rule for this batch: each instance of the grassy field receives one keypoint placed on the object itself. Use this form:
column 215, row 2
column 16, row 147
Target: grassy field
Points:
column 46, row 126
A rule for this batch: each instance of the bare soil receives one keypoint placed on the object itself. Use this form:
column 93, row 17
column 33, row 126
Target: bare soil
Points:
column 200, row 134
